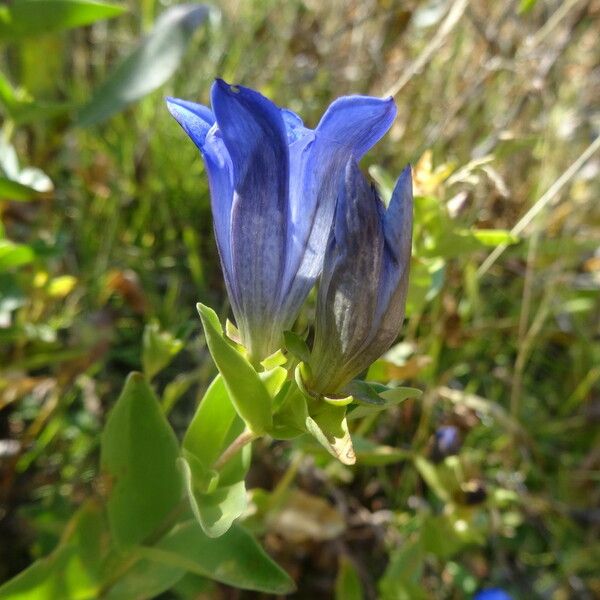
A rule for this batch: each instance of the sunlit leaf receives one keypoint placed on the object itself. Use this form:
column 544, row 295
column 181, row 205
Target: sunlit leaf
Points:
column 246, row 390
column 27, row 18
column 73, row 569
column 13, row 190
column 494, row 237
column 14, row 255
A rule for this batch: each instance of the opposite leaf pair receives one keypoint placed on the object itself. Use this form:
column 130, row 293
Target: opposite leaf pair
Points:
column 290, row 204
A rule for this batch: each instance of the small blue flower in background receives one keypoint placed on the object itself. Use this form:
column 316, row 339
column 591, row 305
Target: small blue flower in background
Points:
column 362, row 293
column 492, row 594
column 446, row 442
column 273, row 186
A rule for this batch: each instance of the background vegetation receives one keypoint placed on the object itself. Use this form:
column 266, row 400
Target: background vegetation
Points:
column 106, row 232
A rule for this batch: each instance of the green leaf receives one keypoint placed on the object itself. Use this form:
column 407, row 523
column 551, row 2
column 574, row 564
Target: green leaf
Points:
column 138, row 458
column 440, row 537
column 194, row 587
column 246, row 390
column 146, row 579
column 388, row 396
column 431, row 476
column 364, row 392
column 175, row 389
column 27, row 18
column 58, row 576
column 214, row 426
column 330, row 429
column 525, row 6
column 347, row 583
column 235, row 558
column 376, row 455
column 73, row 569
column 494, row 237
column 217, row 509
column 217, row 498
column 399, row 394
column 150, row 65
column 158, row 349
column 402, row 577
column 13, row 190
column 291, row 413
column 297, row 346
column 273, row 380
column 14, row 255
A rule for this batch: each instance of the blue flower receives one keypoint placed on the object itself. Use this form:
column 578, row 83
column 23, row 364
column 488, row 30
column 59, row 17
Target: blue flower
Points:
column 362, row 292
column 492, row 594
column 273, row 187
column 446, row 442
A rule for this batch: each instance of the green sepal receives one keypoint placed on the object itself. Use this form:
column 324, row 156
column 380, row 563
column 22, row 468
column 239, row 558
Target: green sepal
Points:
column 246, row 390
column 338, row 401
column 297, row 346
column 290, row 412
column 276, row 359
column 371, row 397
column 330, row 428
column 364, row 392
column 273, row 380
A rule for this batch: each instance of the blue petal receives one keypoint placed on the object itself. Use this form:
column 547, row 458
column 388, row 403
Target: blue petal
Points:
column 350, row 127
column 357, row 122
column 294, row 125
column 254, row 134
column 392, row 286
column 198, row 122
column 348, row 290
column 398, row 218
column 195, row 119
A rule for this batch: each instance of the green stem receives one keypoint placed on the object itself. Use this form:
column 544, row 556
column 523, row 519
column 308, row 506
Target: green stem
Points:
column 240, row 441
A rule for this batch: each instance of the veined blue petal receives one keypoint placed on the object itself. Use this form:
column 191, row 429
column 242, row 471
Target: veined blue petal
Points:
column 392, row 286
column 347, row 297
column 357, row 122
column 195, row 119
column 398, row 218
column 350, row 127
column 362, row 293
column 199, row 123
column 294, row 125
column 254, row 134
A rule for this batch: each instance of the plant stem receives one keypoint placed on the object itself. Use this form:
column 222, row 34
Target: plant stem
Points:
column 240, row 441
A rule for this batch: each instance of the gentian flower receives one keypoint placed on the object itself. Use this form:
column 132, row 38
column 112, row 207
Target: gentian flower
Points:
column 273, row 189
column 446, row 442
column 362, row 292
